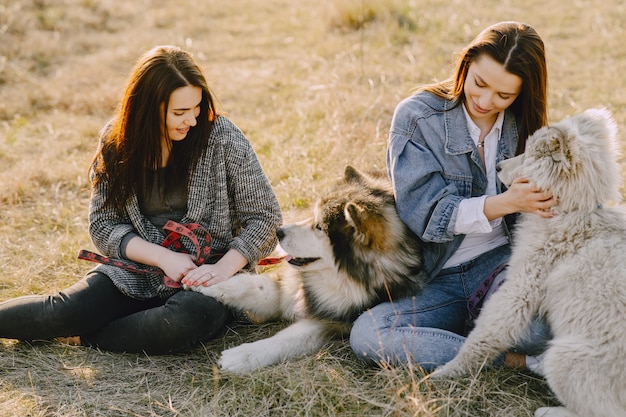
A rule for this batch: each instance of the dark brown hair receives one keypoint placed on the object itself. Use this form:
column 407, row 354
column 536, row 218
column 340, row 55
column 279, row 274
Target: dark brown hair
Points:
column 520, row 50
column 130, row 154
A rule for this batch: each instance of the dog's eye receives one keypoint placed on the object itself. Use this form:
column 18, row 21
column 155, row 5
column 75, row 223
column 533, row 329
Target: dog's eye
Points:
column 318, row 226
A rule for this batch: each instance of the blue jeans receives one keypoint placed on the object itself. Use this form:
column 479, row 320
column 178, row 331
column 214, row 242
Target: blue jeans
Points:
column 429, row 328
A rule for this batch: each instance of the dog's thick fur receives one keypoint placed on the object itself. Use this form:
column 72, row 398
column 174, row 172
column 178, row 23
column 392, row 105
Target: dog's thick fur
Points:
column 569, row 268
column 354, row 253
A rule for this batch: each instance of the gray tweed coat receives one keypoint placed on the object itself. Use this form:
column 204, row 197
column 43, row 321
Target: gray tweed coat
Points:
column 229, row 195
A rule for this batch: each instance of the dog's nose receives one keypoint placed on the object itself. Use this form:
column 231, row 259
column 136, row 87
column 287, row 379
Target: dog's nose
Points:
column 498, row 168
column 280, row 233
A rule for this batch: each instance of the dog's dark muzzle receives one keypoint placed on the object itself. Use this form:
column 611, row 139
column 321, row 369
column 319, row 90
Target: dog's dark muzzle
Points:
column 300, row 261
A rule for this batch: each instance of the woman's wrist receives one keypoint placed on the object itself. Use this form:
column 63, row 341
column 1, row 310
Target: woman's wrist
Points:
column 142, row 251
column 231, row 262
column 497, row 206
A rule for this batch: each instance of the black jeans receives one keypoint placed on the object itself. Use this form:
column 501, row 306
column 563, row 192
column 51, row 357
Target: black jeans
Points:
column 103, row 317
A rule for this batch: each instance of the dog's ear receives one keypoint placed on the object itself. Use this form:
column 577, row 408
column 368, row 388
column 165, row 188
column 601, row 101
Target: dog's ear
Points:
column 373, row 180
column 558, row 145
column 351, row 174
column 358, row 217
column 353, row 214
column 366, row 222
column 562, row 147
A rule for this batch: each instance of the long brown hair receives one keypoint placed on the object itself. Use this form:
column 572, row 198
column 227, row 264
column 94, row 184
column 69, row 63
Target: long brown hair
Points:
column 131, row 152
column 520, row 50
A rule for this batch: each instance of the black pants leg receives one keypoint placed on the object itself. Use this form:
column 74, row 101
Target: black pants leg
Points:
column 183, row 321
column 96, row 310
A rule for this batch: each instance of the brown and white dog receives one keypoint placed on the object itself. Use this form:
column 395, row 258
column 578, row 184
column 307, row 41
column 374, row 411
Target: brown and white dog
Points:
column 352, row 254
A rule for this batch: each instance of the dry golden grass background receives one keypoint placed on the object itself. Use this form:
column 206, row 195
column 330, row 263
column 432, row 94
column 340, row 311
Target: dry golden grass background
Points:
column 313, row 84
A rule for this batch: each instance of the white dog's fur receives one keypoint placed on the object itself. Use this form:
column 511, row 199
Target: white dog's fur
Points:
column 569, row 268
column 354, row 253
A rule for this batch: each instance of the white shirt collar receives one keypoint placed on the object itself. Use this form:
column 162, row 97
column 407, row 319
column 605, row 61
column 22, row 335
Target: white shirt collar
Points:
column 491, row 148
column 474, row 130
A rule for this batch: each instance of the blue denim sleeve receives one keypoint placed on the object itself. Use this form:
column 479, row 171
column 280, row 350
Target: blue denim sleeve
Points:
column 425, row 200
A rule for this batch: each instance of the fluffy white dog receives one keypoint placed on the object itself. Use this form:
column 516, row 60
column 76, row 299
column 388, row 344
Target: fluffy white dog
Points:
column 570, row 268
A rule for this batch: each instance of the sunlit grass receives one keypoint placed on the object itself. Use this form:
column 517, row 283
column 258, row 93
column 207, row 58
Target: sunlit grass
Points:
column 313, row 85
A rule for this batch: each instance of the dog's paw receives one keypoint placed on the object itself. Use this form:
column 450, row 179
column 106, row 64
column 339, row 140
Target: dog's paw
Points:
column 448, row 371
column 243, row 359
column 554, row 412
column 216, row 291
column 226, row 292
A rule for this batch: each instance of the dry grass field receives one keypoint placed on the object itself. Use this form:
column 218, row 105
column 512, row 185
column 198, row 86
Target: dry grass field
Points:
column 313, row 84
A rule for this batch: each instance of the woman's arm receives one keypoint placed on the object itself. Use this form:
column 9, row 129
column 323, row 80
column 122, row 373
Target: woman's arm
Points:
column 426, row 202
column 107, row 228
column 175, row 264
column 521, row 197
column 253, row 206
column 252, row 200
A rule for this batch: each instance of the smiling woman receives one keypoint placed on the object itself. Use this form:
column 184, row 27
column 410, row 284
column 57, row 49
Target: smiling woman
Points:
column 166, row 155
column 489, row 90
column 444, row 144
column 182, row 112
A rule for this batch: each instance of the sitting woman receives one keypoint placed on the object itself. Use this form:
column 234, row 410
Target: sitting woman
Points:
column 166, row 155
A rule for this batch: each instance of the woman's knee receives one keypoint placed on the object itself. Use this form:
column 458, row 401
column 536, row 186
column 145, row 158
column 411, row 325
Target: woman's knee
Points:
column 366, row 336
column 196, row 313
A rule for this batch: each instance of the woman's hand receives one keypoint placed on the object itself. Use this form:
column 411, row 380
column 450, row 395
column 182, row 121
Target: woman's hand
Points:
column 208, row 274
column 530, row 199
column 181, row 267
column 176, row 264
column 521, row 197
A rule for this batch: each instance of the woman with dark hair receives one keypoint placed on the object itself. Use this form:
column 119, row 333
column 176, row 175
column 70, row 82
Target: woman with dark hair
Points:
column 167, row 155
column 445, row 142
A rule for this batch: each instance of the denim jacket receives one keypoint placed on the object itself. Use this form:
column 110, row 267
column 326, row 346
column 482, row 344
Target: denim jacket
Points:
column 434, row 164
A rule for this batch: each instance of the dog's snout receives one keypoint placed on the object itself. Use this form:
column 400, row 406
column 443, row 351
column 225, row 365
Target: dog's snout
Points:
column 280, row 233
column 498, row 168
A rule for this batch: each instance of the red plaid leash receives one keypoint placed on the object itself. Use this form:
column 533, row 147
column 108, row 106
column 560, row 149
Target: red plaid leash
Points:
column 171, row 241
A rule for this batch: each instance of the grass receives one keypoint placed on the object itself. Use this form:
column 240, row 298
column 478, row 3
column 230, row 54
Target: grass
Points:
column 313, row 85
